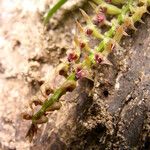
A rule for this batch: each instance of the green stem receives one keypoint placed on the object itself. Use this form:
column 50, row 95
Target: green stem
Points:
column 49, row 102
column 111, row 9
column 112, row 30
column 118, row 1
column 113, row 1
column 53, row 10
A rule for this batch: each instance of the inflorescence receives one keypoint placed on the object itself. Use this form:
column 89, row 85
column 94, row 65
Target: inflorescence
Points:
column 115, row 15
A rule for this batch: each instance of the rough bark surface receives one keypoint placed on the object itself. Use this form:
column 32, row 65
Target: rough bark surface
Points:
column 115, row 115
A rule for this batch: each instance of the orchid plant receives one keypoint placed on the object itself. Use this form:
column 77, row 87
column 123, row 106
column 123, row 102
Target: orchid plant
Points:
column 79, row 62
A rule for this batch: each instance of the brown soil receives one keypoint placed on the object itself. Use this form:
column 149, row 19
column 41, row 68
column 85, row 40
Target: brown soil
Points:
column 115, row 117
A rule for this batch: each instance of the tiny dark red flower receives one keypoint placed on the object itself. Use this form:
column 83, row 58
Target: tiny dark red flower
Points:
column 89, row 31
column 72, row 57
column 98, row 58
column 82, row 45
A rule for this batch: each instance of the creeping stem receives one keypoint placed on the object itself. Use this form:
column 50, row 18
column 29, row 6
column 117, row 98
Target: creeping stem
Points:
column 55, row 97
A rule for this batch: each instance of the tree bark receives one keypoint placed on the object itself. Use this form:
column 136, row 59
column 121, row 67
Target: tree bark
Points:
column 115, row 115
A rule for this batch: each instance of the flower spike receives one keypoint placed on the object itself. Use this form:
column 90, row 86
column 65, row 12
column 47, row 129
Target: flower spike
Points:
column 117, row 16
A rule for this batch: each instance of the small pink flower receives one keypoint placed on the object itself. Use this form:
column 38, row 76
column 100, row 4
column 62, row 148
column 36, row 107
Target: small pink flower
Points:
column 100, row 18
